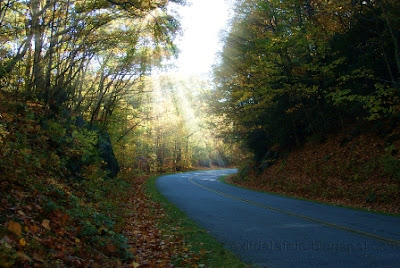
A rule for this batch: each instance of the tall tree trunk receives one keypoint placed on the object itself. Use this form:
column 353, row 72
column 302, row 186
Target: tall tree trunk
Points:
column 38, row 80
column 28, row 73
column 393, row 36
column 50, row 52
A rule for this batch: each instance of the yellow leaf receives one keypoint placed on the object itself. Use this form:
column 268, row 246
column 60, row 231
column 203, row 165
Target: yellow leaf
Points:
column 77, row 240
column 20, row 212
column 22, row 242
column 135, row 264
column 46, row 224
column 14, row 227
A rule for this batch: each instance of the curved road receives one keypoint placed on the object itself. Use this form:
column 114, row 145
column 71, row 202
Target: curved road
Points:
column 273, row 231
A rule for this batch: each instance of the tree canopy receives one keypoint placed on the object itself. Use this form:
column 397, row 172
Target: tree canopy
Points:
column 83, row 56
column 294, row 69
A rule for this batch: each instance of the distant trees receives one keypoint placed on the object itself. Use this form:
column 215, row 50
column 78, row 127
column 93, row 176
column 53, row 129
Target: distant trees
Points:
column 168, row 127
column 297, row 69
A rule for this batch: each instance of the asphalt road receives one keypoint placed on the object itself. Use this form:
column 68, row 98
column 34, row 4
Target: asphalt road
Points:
column 273, row 231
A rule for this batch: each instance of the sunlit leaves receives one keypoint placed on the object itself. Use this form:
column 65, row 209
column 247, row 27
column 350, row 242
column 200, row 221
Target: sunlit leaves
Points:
column 83, row 55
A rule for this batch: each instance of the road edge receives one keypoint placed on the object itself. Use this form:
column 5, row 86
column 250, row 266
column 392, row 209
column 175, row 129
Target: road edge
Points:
column 216, row 255
column 224, row 179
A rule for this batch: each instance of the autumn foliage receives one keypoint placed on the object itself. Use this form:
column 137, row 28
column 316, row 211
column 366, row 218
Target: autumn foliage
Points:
column 311, row 90
column 53, row 215
column 352, row 168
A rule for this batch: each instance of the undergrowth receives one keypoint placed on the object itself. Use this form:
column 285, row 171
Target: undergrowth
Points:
column 59, row 207
column 361, row 171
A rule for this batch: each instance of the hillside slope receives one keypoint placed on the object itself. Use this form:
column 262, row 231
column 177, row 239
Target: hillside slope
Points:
column 61, row 206
column 360, row 169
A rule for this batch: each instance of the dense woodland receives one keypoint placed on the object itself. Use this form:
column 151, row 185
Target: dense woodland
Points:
column 79, row 123
column 305, row 100
column 313, row 87
column 81, row 119
column 89, row 62
column 298, row 69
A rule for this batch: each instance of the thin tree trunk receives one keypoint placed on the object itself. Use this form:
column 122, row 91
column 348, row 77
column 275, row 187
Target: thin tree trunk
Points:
column 38, row 80
column 53, row 41
column 394, row 38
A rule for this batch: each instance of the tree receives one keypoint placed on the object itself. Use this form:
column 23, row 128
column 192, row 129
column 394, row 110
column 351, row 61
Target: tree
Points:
column 82, row 55
column 294, row 69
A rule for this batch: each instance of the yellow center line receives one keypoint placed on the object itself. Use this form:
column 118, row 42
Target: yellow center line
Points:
column 332, row 225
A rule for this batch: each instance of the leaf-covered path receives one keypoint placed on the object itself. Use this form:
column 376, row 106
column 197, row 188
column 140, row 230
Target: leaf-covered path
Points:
column 275, row 231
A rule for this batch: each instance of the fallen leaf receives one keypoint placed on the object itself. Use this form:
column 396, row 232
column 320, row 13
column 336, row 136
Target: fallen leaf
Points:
column 34, row 229
column 20, row 194
column 135, row 264
column 46, row 224
column 14, row 227
column 20, row 212
column 110, row 248
column 64, row 218
column 22, row 242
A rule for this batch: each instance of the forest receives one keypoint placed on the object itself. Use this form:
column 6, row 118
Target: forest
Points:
column 311, row 91
column 304, row 101
column 83, row 122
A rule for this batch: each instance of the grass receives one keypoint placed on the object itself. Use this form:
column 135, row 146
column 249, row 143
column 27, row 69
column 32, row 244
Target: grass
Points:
column 212, row 253
column 224, row 179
